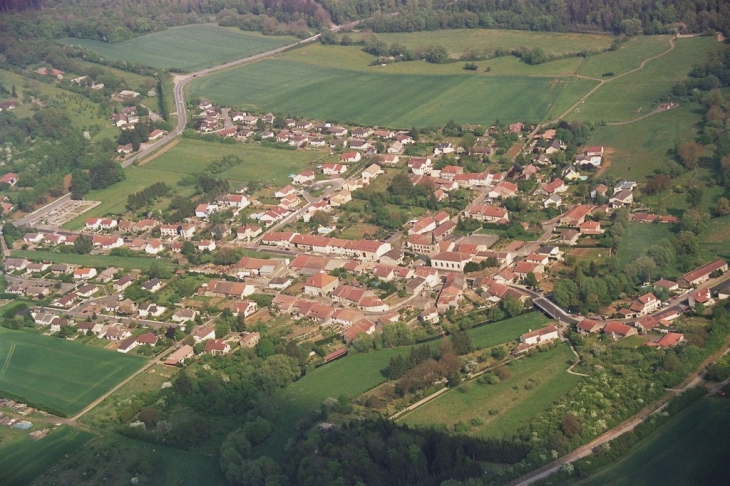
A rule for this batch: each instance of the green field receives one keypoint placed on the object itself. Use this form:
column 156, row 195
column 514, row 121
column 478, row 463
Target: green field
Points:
column 716, row 238
column 635, row 94
column 187, row 48
column 97, row 261
column 377, row 97
column 57, row 374
column 629, row 56
column 536, row 383
column 456, row 41
column 638, row 238
column 636, row 149
column 24, row 459
column 266, row 165
column 691, row 449
column 507, row 330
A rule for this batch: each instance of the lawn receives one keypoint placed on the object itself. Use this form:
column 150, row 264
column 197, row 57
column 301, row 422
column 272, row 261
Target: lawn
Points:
column 638, row 238
column 376, row 97
column 24, row 459
column 56, row 374
column 499, row 410
column 636, row 149
column 635, row 94
column 457, row 41
column 191, row 156
column 507, row 330
column 97, row 261
column 690, row 449
column 187, row 48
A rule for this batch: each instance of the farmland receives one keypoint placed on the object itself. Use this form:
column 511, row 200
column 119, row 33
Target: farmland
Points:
column 378, row 97
column 191, row 156
column 500, row 409
column 187, row 48
column 24, row 459
column 56, row 374
column 690, row 449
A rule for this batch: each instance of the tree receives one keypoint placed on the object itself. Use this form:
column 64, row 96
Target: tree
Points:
column 401, row 185
column 723, row 207
column 531, row 280
column 105, row 174
column 320, row 218
column 689, row 154
column 80, row 184
column 694, row 221
column 83, row 245
column 658, row 183
column 570, row 426
column 265, row 348
column 512, row 306
column 461, row 342
column 415, row 134
column 694, row 196
column 499, row 353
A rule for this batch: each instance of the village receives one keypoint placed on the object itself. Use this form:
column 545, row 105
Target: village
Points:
column 307, row 283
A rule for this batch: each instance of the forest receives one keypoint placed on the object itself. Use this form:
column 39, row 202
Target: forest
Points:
column 114, row 21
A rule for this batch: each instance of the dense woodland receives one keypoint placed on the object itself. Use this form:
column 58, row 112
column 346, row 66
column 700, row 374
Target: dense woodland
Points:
column 114, row 21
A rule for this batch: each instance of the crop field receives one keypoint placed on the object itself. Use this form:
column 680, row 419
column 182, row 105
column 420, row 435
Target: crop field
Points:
column 690, row 449
column 377, row 97
column 57, row 374
column 457, row 41
column 634, row 95
column 507, row 330
column 638, row 238
column 639, row 148
column 187, row 48
column 499, row 410
column 24, row 459
column 96, row 261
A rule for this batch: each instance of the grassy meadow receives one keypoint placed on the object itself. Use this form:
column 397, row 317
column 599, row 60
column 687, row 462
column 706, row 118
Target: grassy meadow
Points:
column 638, row 238
column 636, row 149
column 507, row 330
column 266, row 165
column 57, row 374
column 690, row 449
column 97, row 261
column 457, row 41
column 499, row 410
column 635, row 94
column 187, row 48
column 24, row 459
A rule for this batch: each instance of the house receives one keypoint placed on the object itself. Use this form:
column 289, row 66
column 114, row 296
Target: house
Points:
column 228, row 289
column 576, row 215
column 123, row 282
column 156, row 134
column 372, row 172
column 668, row 340
column 116, row 333
column 184, row 315
column 667, row 285
column 443, row 148
column 488, row 214
column 203, row 333
column 350, row 157
column 420, row 165
column 617, row 330
column 151, row 310
column 621, row 198
column 449, row 260
column 545, row 335
column 587, row 327
column 87, row 290
column 249, row 340
column 568, row 237
column 205, row 210
column 237, row 201
column 83, row 273
column 523, row 269
column 248, row 232
column 423, row 225
column 320, row 285
column 303, row 177
column 107, row 242
column 702, row 296
column 289, row 202
column 152, row 285
column 590, row 228
column 553, row 187
column 363, row 326
column 553, row 200
column 206, row 245
column 154, row 246
column 361, row 132
column 334, row 169
column 646, row 304
column 245, row 307
column 285, row 191
column 279, row 283
column 570, row 174
column 180, row 355
column 702, row 274
column 217, row 347
column 504, row 190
